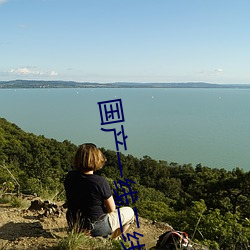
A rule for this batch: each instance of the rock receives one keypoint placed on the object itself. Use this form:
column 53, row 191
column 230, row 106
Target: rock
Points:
column 36, row 205
column 47, row 207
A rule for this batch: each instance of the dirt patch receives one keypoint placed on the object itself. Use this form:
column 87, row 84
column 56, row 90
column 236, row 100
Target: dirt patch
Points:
column 25, row 229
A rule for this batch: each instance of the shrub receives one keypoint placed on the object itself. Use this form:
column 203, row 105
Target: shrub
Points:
column 18, row 202
column 153, row 210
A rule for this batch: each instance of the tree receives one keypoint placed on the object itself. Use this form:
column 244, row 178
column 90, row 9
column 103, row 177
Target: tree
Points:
column 236, row 187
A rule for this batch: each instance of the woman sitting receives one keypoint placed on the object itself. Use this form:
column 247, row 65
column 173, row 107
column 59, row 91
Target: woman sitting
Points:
column 90, row 202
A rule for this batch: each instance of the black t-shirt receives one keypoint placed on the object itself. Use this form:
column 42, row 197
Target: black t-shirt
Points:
column 86, row 193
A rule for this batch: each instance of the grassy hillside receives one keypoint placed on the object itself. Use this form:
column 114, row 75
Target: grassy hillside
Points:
column 212, row 205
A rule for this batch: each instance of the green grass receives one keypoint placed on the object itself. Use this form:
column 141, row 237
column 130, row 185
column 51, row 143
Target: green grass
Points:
column 5, row 200
column 75, row 241
column 82, row 241
column 19, row 202
column 14, row 201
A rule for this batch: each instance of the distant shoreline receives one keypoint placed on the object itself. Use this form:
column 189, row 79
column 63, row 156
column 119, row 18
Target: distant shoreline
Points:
column 21, row 84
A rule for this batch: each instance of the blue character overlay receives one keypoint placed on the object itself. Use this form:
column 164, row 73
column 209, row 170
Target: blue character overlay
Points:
column 134, row 236
column 124, row 137
column 136, row 216
column 111, row 111
column 137, row 221
column 119, row 198
column 120, row 165
column 138, row 246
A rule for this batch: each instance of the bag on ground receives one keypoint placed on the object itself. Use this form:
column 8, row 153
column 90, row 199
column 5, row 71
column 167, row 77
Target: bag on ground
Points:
column 172, row 240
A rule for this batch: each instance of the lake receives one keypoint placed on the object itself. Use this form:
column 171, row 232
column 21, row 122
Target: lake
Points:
column 207, row 126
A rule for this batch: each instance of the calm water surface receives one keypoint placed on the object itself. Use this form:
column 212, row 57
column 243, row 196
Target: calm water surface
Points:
column 207, row 126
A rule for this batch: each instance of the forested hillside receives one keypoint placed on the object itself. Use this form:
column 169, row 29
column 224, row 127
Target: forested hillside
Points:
column 212, row 205
column 38, row 163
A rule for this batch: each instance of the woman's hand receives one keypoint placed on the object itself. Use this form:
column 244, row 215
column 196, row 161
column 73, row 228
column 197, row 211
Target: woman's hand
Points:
column 110, row 204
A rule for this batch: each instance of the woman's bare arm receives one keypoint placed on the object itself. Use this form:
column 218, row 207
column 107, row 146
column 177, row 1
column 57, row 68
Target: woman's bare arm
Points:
column 110, row 204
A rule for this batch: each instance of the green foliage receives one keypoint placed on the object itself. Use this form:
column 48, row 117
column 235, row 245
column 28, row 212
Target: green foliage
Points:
column 212, row 205
column 227, row 230
column 18, row 202
column 8, row 186
column 216, row 230
column 153, row 210
column 82, row 241
column 75, row 241
column 151, row 194
column 37, row 162
column 5, row 199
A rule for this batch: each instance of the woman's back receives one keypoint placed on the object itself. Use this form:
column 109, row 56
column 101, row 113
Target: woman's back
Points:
column 86, row 193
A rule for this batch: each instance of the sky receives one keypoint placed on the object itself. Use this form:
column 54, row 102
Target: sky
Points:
column 125, row 40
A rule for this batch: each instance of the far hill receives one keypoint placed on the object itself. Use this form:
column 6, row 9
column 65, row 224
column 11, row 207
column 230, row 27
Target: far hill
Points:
column 71, row 84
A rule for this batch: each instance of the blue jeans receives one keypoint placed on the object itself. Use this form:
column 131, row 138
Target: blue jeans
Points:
column 101, row 227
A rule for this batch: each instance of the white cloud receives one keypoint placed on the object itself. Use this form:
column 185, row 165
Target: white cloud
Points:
column 2, row 1
column 211, row 72
column 22, row 71
column 53, row 73
column 218, row 70
column 32, row 71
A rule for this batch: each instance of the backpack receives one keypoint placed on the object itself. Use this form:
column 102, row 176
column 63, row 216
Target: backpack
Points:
column 172, row 240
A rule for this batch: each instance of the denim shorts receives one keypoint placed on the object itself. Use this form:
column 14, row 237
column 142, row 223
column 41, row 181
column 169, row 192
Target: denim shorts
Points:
column 101, row 227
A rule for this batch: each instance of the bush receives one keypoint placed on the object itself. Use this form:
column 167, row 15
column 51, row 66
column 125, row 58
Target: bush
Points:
column 153, row 210
column 19, row 202
column 5, row 200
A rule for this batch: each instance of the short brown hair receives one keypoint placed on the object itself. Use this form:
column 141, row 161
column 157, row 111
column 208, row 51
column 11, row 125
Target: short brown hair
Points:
column 88, row 157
